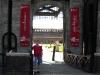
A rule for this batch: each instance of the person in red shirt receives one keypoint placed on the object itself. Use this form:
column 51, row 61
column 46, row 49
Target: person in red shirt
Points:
column 38, row 56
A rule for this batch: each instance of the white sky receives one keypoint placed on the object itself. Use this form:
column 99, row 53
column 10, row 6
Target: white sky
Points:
column 47, row 23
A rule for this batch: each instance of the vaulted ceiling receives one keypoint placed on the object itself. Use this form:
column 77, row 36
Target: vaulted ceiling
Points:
column 48, row 10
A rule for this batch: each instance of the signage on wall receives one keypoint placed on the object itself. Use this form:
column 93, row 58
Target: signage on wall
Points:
column 25, row 25
column 74, row 27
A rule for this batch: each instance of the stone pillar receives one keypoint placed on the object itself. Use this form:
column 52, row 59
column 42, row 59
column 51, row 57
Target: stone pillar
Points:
column 17, row 63
column 97, row 62
column 57, row 46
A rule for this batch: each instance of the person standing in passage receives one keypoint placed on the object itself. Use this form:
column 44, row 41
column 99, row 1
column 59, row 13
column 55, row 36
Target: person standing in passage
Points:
column 38, row 56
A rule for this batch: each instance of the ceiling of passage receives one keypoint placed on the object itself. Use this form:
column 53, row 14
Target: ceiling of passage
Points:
column 48, row 10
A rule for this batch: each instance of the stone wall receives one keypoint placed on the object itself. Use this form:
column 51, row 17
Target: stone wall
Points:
column 97, row 63
column 0, row 29
column 17, row 64
column 76, row 4
column 35, row 4
column 3, row 20
column 0, row 25
column 16, row 6
column 98, row 29
column 97, row 54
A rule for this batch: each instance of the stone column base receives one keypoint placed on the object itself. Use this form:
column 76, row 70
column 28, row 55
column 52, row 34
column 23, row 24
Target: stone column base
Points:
column 97, row 62
column 17, row 64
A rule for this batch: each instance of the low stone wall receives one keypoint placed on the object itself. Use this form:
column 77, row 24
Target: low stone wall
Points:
column 97, row 62
column 17, row 64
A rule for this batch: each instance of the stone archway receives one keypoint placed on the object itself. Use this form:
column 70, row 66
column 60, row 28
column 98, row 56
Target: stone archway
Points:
column 63, row 5
column 35, row 7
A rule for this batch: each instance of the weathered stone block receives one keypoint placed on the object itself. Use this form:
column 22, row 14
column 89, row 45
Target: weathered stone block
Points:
column 17, row 63
column 97, row 62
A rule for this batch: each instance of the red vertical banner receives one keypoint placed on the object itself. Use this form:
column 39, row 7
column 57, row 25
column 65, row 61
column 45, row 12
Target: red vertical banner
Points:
column 74, row 27
column 25, row 25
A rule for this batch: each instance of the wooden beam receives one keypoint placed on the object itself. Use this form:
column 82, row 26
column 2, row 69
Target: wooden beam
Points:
column 45, row 14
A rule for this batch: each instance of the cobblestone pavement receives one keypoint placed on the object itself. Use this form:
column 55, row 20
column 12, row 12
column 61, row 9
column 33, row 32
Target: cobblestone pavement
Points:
column 58, row 67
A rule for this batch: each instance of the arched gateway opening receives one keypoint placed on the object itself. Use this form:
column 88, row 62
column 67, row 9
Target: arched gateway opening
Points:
column 48, row 28
column 45, row 11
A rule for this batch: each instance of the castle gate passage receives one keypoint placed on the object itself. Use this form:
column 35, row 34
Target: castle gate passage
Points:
column 81, row 54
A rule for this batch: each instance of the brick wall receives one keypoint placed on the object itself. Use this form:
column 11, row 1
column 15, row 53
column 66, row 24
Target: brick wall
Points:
column 98, row 29
column 17, row 64
column 16, row 6
column 76, row 4
column 0, row 24
column 97, row 62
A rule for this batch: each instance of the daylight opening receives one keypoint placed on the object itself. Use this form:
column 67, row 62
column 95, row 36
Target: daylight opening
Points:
column 48, row 30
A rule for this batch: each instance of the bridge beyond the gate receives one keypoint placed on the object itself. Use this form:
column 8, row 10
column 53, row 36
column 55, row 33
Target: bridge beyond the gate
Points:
column 47, row 35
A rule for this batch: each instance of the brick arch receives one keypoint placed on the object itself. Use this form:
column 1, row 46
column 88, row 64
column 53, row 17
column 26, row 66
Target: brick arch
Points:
column 42, row 3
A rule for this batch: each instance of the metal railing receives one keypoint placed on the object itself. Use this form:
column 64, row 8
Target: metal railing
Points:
column 79, row 61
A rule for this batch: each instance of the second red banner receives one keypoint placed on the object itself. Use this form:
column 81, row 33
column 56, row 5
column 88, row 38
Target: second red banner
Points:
column 74, row 27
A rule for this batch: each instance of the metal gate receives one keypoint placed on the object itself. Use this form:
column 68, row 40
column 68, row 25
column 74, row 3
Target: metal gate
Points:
column 5, row 49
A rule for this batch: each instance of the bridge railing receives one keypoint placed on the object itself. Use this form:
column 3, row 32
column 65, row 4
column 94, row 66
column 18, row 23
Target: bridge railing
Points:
column 79, row 61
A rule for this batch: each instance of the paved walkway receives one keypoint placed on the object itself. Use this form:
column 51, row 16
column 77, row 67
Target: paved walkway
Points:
column 58, row 67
